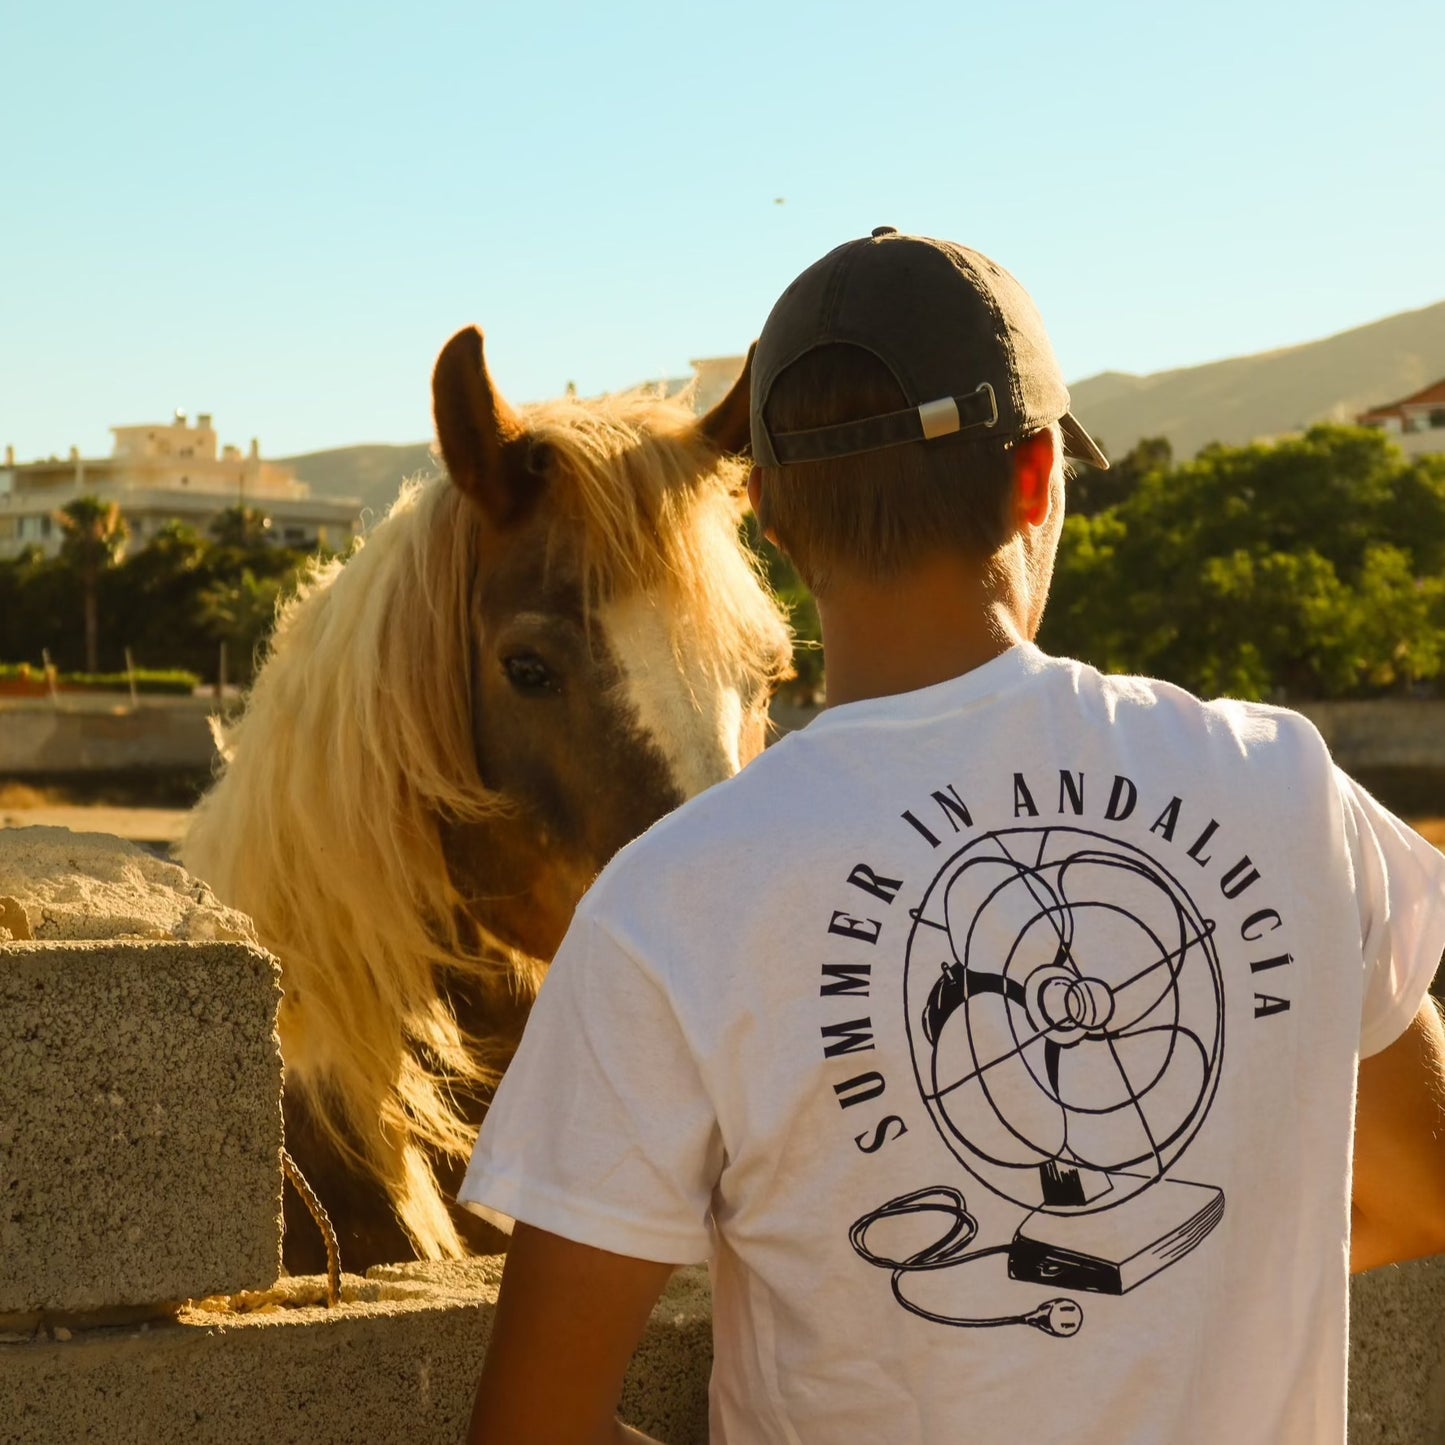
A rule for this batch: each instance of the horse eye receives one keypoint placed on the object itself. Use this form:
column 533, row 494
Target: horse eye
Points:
column 530, row 675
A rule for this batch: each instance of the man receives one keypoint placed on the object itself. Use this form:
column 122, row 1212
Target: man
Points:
column 996, row 1037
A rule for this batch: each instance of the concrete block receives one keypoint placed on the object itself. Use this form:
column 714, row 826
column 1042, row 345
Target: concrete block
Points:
column 140, row 1123
column 1397, row 1355
column 397, row 1360
column 57, row 884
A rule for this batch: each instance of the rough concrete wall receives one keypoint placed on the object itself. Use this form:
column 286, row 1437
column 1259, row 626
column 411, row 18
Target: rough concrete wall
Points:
column 1397, row 1355
column 140, row 1123
column 397, row 1363
column 1384, row 734
column 36, row 737
column 58, row 884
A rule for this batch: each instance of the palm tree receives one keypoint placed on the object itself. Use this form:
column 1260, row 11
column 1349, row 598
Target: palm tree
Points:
column 241, row 613
column 95, row 534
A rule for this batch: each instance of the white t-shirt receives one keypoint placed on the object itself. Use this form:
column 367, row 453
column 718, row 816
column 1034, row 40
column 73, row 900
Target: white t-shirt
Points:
column 996, row 1044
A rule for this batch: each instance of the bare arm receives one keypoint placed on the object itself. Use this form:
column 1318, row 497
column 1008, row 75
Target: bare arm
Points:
column 568, row 1319
column 1398, row 1208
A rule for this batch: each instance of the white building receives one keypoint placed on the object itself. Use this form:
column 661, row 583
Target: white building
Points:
column 1416, row 423
column 711, row 378
column 162, row 473
column 715, row 376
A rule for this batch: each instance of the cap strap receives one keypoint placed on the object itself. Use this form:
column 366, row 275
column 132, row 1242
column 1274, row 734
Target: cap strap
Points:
column 948, row 415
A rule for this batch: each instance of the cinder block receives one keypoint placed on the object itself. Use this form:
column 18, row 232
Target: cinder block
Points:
column 140, row 1123
column 55, row 884
column 1397, row 1355
column 398, row 1361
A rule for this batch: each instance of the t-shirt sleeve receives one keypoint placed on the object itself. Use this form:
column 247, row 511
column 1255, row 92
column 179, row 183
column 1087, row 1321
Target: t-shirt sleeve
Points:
column 601, row 1130
column 1400, row 893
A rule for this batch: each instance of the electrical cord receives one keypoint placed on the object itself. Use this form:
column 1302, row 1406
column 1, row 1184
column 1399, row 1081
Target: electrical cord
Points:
column 1058, row 1317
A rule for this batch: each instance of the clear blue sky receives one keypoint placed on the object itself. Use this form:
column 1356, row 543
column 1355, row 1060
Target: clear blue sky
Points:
column 279, row 212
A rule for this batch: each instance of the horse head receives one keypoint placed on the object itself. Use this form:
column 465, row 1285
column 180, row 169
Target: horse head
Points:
column 624, row 652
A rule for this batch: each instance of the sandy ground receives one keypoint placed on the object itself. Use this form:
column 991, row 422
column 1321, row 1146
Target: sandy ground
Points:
column 22, row 806
column 155, row 826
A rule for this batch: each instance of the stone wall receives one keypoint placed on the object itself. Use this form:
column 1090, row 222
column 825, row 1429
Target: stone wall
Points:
column 1384, row 734
column 397, row 1360
column 105, row 733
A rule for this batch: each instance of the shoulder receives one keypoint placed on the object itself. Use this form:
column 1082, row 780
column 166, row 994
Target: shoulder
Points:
column 1244, row 726
column 723, row 833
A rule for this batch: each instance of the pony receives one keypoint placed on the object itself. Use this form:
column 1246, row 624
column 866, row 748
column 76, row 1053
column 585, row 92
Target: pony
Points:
column 524, row 665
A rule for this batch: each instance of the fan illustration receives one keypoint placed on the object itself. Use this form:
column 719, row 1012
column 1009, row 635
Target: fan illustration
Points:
column 1065, row 1011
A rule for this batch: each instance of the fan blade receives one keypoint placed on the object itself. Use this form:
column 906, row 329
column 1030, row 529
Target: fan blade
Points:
column 1052, row 1053
column 944, row 998
column 978, row 982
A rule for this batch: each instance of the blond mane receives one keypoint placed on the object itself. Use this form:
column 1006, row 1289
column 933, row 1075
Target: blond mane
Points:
column 357, row 743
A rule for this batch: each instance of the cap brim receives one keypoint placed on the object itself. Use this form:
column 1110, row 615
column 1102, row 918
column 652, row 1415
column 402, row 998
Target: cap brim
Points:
column 1080, row 445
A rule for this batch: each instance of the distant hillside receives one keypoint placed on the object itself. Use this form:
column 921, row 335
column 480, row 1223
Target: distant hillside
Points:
column 1232, row 401
column 373, row 473
column 1248, row 397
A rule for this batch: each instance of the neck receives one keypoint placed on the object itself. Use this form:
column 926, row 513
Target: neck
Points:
column 944, row 617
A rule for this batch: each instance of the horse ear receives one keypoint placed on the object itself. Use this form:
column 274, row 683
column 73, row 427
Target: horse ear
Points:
column 483, row 440
column 728, row 425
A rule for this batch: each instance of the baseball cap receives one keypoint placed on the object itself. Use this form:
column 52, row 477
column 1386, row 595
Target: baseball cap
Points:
column 963, row 339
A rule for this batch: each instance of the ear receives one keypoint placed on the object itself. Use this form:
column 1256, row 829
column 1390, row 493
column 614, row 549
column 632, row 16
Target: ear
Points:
column 1034, row 460
column 483, row 441
column 728, row 426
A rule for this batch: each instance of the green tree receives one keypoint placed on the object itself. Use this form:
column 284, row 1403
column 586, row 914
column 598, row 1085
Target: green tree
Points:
column 1092, row 491
column 1397, row 626
column 95, row 534
column 153, row 597
column 241, row 613
column 802, row 610
column 1307, row 568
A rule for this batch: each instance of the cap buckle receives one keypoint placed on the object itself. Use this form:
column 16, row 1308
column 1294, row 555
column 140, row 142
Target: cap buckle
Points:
column 941, row 418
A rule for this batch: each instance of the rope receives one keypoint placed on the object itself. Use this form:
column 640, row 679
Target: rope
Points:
column 323, row 1223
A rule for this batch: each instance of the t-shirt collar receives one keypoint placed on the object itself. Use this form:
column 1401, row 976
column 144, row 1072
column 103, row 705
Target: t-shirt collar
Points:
column 989, row 679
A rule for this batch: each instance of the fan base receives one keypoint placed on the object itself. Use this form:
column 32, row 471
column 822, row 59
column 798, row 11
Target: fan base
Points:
column 1112, row 1250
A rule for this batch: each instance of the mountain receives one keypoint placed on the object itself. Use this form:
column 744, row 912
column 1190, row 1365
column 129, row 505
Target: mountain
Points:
column 1249, row 397
column 372, row 473
column 1233, row 401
